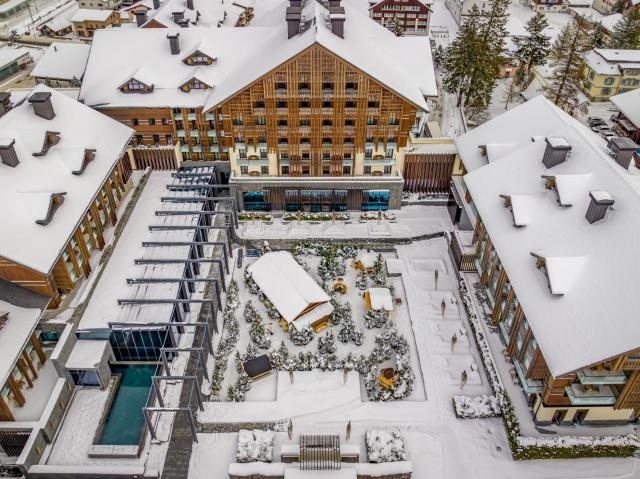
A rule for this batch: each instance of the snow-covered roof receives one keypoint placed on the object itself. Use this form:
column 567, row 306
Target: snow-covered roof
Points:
column 11, row 54
column 87, row 354
column 289, row 288
column 103, row 307
column 28, row 186
column 629, row 105
column 599, row 64
column 205, row 13
column 582, row 304
column 63, row 61
column 91, row 15
column 403, row 64
column 381, row 299
column 609, row 21
column 61, row 19
column 620, row 56
column 15, row 334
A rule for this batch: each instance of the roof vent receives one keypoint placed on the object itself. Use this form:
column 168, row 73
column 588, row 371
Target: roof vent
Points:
column 190, row 4
column 174, row 43
column 556, row 152
column 337, row 17
column 5, row 102
column 621, row 150
column 56, row 200
column 88, row 157
column 600, row 203
column 141, row 17
column 51, row 138
column 42, row 105
column 8, row 153
column 294, row 17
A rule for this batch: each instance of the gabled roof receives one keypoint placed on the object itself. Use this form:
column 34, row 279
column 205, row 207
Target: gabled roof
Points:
column 63, row 61
column 91, row 15
column 584, row 310
column 403, row 64
column 28, row 186
column 629, row 104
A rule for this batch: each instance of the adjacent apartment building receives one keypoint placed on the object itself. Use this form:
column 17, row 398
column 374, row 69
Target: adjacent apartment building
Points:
column 627, row 121
column 610, row 72
column 413, row 15
column 62, row 176
column 554, row 210
column 86, row 21
column 308, row 116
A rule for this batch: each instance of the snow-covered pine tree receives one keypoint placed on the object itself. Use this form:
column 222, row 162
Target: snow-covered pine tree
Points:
column 566, row 54
column 259, row 335
column 532, row 49
column 361, row 281
column 598, row 39
column 341, row 312
column 302, row 337
column 250, row 313
column 375, row 319
column 395, row 26
column 626, row 33
column 327, row 344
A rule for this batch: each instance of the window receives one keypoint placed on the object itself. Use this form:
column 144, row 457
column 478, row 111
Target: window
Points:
column 258, row 104
column 304, row 140
column 282, row 122
column 138, row 139
column 264, row 170
column 326, row 170
column 372, row 120
column 350, row 85
column 327, row 104
column 390, row 152
column 244, row 170
column 327, row 86
column 283, row 141
column 169, row 139
column 372, row 104
column 305, row 104
column 306, row 155
column 303, row 86
column 305, row 122
column 368, row 153
column 152, row 121
column 281, row 104
column 281, row 85
column 305, row 170
column 156, row 139
column 284, row 155
column 284, row 169
column 393, row 120
column 84, row 377
column 164, row 121
column 134, row 121
column 387, row 169
column 263, row 153
column 196, row 84
column 238, row 121
column 242, row 153
column 326, row 141
column 261, row 120
column 326, row 155
column 606, row 91
column 609, row 81
column 348, row 141
column 349, row 104
column 199, row 58
column 327, row 123
column 349, row 123
column 367, row 169
column 346, row 170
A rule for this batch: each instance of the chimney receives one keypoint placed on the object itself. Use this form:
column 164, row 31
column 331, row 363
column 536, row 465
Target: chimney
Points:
column 336, row 15
column 156, row 4
column 294, row 16
column 177, row 16
column 622, row 149
column 8, row 153
column 334, row 3
column 295, row 3
column 42, row 105
column 183, row 23
column 5, row 102
column 190, row 4
column 600, row 203
column 174, row 43
column 141, row 17
column 556, row 152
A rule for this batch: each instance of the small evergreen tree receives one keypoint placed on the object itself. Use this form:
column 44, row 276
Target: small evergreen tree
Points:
column 567, row 77
column 598, row 39
column 395, row 26
column 626, row 33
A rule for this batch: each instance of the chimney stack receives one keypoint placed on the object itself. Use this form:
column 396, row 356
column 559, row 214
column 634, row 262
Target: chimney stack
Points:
column 190, row 4
column 174, row 43
column 334, row 3
column 294, row 16
column 295, row 3
column 8, row 153
column 337, row 16
column 600, row 203
column 42, row 106
column 622, row 150
column 156, row 4
column 141, row 17
column 5, row 103
column 177, row 16
column 556, row 152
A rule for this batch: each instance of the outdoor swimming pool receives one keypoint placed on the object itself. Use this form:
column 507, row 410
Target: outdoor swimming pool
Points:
column 125, row 421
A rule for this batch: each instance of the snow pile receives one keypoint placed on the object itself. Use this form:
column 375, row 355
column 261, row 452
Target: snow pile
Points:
column 570, row 441
column 476, row 407
column 255, row 446
column 385, row 446
column 255, row 469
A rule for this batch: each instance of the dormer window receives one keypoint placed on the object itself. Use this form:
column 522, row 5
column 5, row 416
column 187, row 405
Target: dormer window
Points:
column 194, row 84
column 55, row 201
column 51, row 138
column 135, row 86
column 198, row 58
column 88, row 156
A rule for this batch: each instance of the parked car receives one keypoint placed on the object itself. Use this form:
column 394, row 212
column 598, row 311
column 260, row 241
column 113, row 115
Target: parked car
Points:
column 598, row 128
column 607, row 133
column 595, row 120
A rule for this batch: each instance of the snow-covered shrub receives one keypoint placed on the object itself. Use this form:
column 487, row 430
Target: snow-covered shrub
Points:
column 259, row 335
column 375, row 318
column 385, row 446
column 327, row 344
column 378, row 275
column 251, row 353
column 238, row 391
column 279, row 357
column 255, row 446
column 329, row 362
column 476, row 407
column 341, row 312
column 362, row 281
column 303, row 361
column 348, row 332
column 301, row 337
column 252, row 287
column 250, row 313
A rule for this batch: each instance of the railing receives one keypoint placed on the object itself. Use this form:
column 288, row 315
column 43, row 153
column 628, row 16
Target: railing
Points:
column 597, row 396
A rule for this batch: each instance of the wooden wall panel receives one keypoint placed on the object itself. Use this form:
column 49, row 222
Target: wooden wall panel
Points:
column 428, row 173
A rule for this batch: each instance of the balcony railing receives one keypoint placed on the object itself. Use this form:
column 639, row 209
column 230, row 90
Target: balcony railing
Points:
column 601, row 376
column 581, row 395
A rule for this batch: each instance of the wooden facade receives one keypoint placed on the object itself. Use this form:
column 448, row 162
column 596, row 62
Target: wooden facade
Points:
column 315, row 109
column 541, row 387
column 428, row 172
column 73, row 262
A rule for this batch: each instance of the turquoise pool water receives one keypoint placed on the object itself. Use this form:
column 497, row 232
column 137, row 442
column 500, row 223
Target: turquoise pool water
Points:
column 125, row 420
